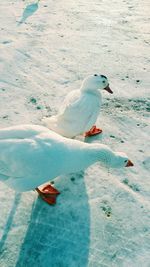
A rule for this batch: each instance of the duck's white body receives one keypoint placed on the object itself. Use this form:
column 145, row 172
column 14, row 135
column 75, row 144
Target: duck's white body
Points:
column 80, row 109
column 77, row 115
column 30, row 155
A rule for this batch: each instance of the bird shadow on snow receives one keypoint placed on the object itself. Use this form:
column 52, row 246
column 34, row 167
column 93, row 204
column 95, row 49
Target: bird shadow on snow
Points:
column 29, row 11
column 58, row 236
column 9, row 221
column 95, row 138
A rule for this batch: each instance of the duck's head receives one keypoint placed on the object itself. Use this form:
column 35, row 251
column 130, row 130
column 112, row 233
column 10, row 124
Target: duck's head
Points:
column 109, row 158
column 96, row 82
column 119, row 160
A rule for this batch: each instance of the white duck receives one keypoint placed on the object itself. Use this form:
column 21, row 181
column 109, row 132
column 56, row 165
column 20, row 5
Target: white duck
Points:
column 80, row 109
column 30, row 155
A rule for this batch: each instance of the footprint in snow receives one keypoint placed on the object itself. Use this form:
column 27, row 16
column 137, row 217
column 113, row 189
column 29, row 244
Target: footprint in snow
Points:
column 106, row 209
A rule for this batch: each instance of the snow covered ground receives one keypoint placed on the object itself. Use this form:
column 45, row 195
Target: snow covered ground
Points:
column 101, row 217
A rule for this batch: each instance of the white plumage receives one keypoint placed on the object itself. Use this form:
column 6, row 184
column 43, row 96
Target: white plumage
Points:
column 80, row 109
column 30, row 155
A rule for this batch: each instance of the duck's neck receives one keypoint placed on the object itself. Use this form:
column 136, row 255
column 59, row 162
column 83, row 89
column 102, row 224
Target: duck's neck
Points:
column 90, row 90
column 88, row 155
column 101, row 153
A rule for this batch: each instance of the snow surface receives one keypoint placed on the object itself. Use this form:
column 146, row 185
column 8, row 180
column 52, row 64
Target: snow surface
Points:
column 47, row 48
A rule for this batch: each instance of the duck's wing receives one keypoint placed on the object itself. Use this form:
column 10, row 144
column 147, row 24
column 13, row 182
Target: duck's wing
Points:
column 28, row 156
column 81, row 109
column 29, row 162
column 77, row 114
column 21, row 131
column 21, row 163
column 77, row 104
column 14, row 154
column 70, row 103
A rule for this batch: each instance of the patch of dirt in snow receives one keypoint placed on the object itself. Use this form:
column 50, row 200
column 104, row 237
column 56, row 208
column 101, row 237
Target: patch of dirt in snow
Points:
column 123, row 104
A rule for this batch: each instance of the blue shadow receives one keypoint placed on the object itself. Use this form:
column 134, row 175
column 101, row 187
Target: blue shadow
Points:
column 9, row 221
column 29, row 11
column 59, row 235
column 95, row 138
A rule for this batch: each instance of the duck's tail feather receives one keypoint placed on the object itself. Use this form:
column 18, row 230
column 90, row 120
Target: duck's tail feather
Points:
column 50, row 123
column 58, row 125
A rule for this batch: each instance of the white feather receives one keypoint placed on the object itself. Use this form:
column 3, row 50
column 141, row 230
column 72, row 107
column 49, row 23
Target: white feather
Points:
column 30, row 155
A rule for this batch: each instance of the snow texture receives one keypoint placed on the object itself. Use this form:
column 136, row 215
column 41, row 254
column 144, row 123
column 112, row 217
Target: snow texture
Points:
column 102, row 217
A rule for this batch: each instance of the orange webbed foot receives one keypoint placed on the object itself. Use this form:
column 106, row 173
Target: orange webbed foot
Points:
column 49, row 189
column 48, row 193
column 93, row 131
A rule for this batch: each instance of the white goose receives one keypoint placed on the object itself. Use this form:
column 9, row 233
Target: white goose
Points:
column 30, row 155
column 80, row 109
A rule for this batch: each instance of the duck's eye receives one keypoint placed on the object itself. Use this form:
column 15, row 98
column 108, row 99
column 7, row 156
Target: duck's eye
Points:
column 103, row 81
column 95, row 75
column 126, row 161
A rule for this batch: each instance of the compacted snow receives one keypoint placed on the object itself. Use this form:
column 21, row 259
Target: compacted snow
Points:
column 47, row 48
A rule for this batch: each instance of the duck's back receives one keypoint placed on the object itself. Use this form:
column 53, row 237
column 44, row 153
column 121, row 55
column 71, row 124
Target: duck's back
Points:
column 21, row 131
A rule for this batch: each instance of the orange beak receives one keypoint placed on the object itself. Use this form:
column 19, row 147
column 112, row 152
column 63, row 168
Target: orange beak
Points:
column 107, row 88
column 129, row 164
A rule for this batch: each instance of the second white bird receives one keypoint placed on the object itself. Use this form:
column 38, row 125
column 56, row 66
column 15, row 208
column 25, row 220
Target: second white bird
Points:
column 80, row 109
